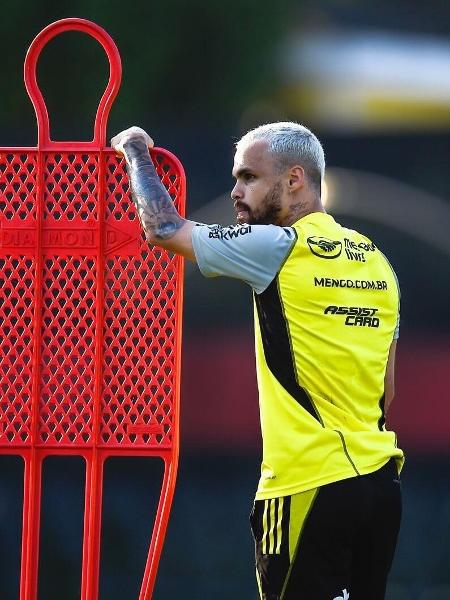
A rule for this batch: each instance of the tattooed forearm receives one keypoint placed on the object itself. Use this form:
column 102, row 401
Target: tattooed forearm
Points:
column 157, row 213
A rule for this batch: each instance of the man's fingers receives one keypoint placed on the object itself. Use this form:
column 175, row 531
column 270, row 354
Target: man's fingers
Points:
column 131, row 133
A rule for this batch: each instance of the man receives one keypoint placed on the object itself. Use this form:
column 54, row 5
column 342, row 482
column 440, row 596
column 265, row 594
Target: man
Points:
column 327, row 510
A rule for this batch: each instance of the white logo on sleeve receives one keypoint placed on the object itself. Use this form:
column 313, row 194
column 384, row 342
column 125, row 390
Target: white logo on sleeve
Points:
column 345, row 596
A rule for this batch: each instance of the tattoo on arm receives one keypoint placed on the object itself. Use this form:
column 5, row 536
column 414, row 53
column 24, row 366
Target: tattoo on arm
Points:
column 159, row 217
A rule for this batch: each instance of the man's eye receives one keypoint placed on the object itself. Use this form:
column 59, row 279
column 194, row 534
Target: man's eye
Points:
column 249, row 177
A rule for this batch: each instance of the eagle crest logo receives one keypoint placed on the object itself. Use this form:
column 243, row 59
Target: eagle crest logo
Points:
column 324, row 247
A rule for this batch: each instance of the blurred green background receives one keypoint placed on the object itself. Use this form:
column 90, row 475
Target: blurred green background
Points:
column 372, row 79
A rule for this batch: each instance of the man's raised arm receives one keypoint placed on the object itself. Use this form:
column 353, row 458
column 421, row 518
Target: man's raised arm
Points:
column 162, row 224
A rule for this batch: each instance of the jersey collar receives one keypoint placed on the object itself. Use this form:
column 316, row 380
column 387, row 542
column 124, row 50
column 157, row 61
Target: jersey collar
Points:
column 314, row 217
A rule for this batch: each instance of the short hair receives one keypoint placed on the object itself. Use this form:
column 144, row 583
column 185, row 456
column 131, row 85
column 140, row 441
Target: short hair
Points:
column 291, row 143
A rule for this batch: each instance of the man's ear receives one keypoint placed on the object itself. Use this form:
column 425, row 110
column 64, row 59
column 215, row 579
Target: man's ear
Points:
column 296, row 178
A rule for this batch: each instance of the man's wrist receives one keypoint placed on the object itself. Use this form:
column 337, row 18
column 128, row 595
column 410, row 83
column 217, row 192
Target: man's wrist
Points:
column 137, row 153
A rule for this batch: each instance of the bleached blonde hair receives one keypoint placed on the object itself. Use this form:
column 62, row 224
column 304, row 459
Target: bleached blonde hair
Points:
column 290, row 143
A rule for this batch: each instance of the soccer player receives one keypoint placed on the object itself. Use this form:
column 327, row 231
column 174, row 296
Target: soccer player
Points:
column 327, row 510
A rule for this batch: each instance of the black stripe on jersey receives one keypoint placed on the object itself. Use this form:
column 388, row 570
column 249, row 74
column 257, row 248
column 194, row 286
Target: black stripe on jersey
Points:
column 272, row 567
column 275, row 525
column 277, row 345
column 285, row 523
column 382, row 419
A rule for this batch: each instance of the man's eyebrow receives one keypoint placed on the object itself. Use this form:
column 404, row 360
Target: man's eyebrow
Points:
column 240, row 172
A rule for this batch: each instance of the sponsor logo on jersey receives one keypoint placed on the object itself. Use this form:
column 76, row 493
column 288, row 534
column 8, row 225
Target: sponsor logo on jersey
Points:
column 228, row 233
column 356, row 251
column 355, row 315
column 324, row 247
column 359, row 284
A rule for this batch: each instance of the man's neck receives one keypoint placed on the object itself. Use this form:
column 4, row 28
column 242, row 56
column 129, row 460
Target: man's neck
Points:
column 302, row 207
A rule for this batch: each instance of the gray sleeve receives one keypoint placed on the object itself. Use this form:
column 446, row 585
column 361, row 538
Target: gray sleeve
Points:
column 397, row 328
column 252, row 253
column 397, row 325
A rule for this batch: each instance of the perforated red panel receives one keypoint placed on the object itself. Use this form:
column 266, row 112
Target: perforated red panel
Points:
column 140, row 326
column 139, row 317
column 90, row 318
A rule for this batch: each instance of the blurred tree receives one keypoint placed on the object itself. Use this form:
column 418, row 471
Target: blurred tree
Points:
column 181, row 60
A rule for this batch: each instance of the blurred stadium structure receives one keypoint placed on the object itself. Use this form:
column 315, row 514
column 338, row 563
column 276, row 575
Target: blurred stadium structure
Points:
column 372, row 79
column 356, row 80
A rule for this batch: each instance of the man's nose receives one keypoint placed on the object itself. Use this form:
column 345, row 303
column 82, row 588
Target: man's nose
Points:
column 236, row 192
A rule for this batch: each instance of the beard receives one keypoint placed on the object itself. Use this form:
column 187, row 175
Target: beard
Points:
column 267, row 213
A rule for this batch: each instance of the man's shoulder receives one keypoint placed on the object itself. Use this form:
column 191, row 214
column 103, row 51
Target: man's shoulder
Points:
column 226, row 232
column 252, row 253
column 265, row 233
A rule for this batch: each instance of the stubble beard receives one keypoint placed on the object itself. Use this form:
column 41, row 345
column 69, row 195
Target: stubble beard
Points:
column 269, row 210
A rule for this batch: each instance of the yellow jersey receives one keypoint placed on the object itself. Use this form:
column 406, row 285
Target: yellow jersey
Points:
column 323, row 329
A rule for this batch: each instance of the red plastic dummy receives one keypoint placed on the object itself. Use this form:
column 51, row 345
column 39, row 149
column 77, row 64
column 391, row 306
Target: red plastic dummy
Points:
column 90, row 318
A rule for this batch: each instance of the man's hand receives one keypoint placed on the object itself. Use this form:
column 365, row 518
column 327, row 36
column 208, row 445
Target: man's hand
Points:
column 128, row 135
